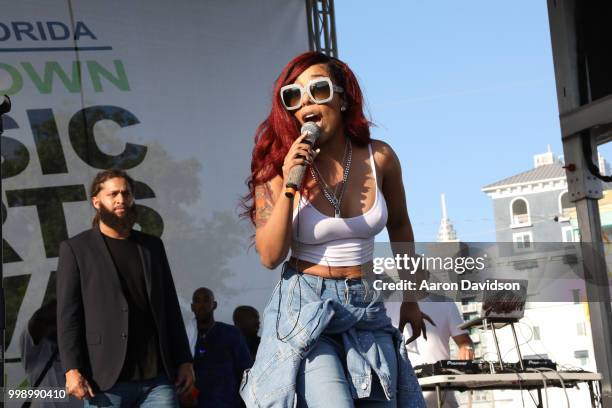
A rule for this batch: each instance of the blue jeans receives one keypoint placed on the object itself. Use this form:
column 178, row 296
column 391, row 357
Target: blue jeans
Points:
column 154, row 393
column 322, row 376
column 329, row 343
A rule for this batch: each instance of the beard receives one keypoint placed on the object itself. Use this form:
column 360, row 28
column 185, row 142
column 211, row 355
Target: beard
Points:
column 121, row 223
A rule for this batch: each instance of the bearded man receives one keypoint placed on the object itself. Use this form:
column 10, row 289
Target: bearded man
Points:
column 121, row 335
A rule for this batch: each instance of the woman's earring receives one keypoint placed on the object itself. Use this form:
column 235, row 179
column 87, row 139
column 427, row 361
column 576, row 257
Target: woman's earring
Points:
column 343, row 108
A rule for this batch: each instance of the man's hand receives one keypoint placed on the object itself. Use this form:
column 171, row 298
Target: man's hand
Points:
column 466, row 347
column 77, row 385
column 466, row 352
column 189, row 399
column 410, row 313
column 184, row 378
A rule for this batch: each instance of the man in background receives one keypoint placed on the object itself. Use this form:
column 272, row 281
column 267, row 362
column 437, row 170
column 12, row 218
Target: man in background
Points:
column 246, row 318
column 445, row 314
column 446, row 319
column 220, row 354
column 40, row 355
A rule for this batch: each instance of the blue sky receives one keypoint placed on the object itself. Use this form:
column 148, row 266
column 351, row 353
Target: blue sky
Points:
column 463, row 91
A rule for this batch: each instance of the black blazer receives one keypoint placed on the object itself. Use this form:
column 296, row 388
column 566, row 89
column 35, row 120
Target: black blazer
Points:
column 92, row 312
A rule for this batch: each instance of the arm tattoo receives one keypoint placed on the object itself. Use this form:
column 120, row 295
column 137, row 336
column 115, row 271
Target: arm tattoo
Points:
column 263, row 204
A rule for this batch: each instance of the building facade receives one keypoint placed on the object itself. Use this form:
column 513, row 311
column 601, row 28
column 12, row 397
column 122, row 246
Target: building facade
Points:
column 533, row 206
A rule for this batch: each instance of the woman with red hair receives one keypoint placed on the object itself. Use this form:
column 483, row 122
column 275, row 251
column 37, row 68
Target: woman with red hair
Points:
column 325, row 339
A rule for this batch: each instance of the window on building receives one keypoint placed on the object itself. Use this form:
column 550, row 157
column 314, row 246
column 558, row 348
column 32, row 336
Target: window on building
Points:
column 522, row 240
column 606, row 234
column 576, row 295
column 482, row 396
column 566, row 207
column 470, row 315
column 536, row 333
column 520, row 212
column 580, row 329
column 567, row 234
column 582, row 356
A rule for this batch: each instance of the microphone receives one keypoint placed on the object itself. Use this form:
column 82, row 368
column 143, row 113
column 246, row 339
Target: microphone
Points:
column 5, row 104
column 296, row 175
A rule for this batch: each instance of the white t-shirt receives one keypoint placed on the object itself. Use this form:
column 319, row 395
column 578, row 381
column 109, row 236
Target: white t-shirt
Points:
column 437, row 346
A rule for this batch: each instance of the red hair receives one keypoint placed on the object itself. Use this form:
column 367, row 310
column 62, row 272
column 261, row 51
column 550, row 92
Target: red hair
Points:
column 275, row 135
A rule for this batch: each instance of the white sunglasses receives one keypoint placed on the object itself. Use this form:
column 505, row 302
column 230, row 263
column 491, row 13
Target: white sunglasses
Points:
column 319, row 90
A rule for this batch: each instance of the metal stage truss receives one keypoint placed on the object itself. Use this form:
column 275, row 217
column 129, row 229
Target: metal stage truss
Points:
column 322, row 26
column 584, row 92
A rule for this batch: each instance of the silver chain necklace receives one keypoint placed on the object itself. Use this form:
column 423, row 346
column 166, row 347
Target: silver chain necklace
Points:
column 334, row 199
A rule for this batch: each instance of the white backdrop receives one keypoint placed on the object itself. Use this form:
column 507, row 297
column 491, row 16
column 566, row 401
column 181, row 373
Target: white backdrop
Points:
column 186, row 83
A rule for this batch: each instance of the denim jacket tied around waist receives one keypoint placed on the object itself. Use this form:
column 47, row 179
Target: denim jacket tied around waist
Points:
column 294, row 319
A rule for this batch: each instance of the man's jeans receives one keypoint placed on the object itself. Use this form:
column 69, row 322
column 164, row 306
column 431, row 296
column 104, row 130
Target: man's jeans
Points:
column 154, row 393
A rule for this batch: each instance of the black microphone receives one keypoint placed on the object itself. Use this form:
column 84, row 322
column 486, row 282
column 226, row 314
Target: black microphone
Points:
column 296, row 175
column 5, row 104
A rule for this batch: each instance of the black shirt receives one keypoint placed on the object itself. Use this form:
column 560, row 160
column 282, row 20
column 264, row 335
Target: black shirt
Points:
column 220, row 357
column 142, row 360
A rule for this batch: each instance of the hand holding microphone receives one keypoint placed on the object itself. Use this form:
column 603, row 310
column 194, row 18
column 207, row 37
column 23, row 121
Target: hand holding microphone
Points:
column 300, row 155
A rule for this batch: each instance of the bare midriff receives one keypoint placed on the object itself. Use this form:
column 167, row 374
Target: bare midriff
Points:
column 329, row 272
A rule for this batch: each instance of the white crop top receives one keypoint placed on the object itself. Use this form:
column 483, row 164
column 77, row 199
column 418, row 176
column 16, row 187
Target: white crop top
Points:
column 333, row 241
